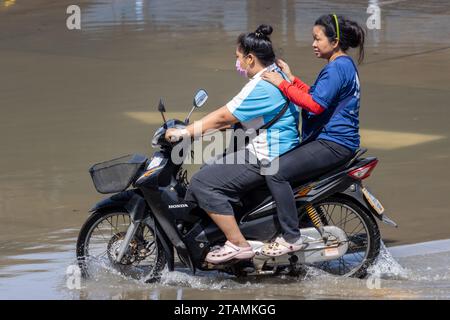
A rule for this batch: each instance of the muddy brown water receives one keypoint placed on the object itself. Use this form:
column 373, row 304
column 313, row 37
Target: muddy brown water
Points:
column 69, row 99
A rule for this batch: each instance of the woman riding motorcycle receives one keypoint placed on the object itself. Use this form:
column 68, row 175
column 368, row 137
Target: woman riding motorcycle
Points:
column 219, row 185
column 330, row 121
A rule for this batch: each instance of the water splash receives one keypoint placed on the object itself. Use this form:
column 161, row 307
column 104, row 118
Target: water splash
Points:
column 402, row 278
column 211, row 280
column 386, row 267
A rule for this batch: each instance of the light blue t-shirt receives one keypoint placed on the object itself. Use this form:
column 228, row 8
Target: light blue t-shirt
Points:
column 255, row 105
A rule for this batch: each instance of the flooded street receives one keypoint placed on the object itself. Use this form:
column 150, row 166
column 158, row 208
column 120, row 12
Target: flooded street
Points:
column 72, row 98
column 409, row 274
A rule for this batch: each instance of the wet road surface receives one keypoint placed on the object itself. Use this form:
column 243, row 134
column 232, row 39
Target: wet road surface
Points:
column 69, row 99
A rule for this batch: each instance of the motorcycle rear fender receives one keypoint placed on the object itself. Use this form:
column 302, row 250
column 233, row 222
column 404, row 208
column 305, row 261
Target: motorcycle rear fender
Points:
column 355, row 193
column 345, row 186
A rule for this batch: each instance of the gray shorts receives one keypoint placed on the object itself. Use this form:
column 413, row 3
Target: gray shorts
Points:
column 218, row 185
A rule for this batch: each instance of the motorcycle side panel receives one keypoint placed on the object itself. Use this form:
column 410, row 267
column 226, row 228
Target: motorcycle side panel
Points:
column 166, row 220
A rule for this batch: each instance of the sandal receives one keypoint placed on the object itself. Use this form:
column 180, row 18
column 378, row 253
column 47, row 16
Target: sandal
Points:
column 229, row 251
column 280, row 246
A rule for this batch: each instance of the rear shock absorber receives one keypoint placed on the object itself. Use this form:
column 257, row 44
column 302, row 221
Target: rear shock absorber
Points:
column 316, row 219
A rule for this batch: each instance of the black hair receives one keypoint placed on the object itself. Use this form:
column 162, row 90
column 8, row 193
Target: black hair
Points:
column 258, row 43
column 351, row 34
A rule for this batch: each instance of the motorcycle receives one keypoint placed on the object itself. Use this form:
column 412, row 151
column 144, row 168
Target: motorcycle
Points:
column 138, row 230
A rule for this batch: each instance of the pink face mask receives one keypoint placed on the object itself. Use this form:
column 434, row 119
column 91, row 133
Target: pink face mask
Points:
column 239, row 69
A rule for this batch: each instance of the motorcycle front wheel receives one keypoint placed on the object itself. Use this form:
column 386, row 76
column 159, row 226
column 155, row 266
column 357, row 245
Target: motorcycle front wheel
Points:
column 99, row 241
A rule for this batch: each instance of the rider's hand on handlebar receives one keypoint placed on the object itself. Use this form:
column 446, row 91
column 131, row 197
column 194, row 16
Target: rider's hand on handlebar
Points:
column 174, row 134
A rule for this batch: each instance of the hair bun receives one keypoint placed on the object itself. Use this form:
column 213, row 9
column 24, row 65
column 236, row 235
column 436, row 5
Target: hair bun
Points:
column 264, row 29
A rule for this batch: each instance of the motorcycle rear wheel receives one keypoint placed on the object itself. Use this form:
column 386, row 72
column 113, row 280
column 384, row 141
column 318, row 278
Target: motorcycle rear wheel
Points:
column 362, row 232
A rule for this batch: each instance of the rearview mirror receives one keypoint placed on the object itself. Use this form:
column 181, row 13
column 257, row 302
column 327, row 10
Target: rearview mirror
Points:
column 161, row 107
column 200, row 98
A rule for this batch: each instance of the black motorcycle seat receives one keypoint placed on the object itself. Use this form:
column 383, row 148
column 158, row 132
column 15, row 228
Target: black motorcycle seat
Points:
column 260, row 195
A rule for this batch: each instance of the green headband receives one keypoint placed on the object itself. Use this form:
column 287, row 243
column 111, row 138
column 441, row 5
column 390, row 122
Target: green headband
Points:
column 337, row 26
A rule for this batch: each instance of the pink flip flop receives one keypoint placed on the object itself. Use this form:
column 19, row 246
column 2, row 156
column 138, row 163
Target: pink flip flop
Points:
column 280, row 247
column 228, row 252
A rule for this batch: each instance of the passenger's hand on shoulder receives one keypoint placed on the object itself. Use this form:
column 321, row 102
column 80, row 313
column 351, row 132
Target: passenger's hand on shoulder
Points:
column 273, row 77
column 285, row 68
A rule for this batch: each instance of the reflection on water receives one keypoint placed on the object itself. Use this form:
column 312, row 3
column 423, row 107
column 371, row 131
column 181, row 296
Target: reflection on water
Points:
column 402, row 22
column 35, row 268
column 160, row 14
column 8, row 3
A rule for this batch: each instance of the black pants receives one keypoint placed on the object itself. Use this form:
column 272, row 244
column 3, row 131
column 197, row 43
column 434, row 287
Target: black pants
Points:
column 217, row 186
column 299, row 165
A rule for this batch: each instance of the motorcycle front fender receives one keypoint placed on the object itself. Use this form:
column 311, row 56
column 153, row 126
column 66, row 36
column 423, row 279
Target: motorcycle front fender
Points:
column 117, row 200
